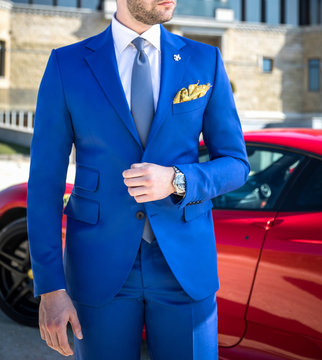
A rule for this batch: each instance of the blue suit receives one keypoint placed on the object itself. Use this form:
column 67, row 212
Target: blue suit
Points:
column 81, row 101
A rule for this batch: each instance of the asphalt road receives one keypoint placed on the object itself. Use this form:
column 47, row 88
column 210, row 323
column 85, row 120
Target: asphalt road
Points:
column 22, row 342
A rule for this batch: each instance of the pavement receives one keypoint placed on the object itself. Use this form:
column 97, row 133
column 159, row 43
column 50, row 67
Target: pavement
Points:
column 18, row 341
column 23, row 342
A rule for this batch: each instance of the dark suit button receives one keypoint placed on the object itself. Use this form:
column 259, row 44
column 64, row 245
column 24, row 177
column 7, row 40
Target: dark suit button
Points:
column 140, row 215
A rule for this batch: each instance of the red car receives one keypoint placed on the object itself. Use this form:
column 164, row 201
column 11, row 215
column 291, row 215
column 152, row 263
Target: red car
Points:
column 269, row 242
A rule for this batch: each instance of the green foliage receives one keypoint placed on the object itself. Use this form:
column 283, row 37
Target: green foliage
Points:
column 8, row 149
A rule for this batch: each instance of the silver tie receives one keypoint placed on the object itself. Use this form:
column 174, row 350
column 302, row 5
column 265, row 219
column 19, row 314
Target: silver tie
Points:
column 142, row 106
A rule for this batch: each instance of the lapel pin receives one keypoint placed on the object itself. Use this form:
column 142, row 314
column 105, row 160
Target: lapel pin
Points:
column 177, row 57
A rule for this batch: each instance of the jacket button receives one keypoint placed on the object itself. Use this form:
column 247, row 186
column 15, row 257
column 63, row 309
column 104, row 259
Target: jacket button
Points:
column 140, row 215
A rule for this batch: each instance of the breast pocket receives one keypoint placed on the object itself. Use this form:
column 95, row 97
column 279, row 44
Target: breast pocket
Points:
column 188, row 106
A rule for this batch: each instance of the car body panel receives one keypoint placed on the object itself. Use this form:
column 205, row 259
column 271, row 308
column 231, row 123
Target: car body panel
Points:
column 13, row 197
column 307, row 140
column 239, row 238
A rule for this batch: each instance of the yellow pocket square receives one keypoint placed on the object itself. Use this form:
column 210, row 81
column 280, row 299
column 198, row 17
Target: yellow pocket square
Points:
column 194, row 91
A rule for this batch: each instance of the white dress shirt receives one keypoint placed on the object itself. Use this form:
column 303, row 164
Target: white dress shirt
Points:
column 125, row 53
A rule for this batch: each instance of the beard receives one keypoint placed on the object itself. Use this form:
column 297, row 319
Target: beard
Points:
column 146, row 16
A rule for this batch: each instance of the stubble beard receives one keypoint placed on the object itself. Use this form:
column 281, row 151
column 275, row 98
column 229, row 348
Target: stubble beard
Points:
column 145, row 16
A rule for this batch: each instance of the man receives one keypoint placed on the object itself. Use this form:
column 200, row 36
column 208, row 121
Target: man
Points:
column 140, row 246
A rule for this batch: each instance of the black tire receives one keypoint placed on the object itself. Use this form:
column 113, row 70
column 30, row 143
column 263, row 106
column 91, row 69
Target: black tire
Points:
column 16, row 284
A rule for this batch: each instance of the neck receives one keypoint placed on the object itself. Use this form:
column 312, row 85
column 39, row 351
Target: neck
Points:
column 127, row 20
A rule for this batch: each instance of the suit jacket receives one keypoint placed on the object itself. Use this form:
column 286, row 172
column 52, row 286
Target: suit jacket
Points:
column 81, row 101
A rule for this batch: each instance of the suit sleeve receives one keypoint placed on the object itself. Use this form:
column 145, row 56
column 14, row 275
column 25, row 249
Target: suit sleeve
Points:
column 49, row 157
column 228, row 167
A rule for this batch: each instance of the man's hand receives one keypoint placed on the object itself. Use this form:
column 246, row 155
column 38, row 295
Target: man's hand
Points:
column 149, row 182
column 55, row 310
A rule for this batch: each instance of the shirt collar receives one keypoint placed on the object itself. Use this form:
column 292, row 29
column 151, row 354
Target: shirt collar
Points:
column 122, row 35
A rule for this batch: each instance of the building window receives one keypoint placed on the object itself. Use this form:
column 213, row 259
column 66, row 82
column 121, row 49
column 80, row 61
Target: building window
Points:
column 314, row 75
column 69, row 3
column 273, row 12
column 267, row 66
column 315, row 12
column 292, row 12
column 89, row 4
column 43, row 2
column 253, row 10
column 2, row 57
column 236, row 6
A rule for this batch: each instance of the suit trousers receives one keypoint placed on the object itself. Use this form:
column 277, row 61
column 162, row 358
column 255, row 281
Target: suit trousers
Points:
column 177, row 327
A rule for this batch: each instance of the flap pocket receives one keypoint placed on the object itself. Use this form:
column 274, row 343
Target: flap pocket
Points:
column 80, row 208
column 192, row 211
column 190, row 105
column 86, row 177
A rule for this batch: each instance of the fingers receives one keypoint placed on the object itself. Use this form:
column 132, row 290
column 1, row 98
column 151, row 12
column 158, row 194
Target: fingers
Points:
column 137, row 165
column 139, row 181
column 137, row 169
column 62, row 340
column 140, row 190
column 55, row 310
column 55, row 335
column 73, row 319
column 42, row 332
column 56, row 338
column 48, row 340
column 143, row 198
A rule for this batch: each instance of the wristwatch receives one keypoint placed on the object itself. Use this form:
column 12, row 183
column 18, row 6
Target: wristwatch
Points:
column 179, row 182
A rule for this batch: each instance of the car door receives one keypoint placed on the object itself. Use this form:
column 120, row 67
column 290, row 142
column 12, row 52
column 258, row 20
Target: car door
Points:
column 285, row 311
column 241, row 221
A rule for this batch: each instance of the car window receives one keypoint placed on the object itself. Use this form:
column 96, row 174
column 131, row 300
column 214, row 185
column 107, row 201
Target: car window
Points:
column 306, row 195
column 270, row 170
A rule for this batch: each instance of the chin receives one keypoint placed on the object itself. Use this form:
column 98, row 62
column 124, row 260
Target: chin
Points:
column 167, row 16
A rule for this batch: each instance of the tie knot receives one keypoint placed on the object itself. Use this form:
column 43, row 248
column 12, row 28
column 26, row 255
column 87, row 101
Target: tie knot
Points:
column 138, row 43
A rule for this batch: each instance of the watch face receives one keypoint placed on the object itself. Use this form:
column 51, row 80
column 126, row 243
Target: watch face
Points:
column 180, row 179
column 179, row 183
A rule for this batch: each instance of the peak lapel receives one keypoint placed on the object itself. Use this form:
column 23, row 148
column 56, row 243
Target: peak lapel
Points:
column 103, row 64
column 172, row 72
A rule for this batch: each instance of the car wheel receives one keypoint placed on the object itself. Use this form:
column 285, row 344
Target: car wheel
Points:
column 16, row 280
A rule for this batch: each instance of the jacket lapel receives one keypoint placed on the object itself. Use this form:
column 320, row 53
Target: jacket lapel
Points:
column 172, row 72
column 103, row 64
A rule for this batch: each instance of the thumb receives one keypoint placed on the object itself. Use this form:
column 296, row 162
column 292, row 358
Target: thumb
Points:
column 73, row 319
